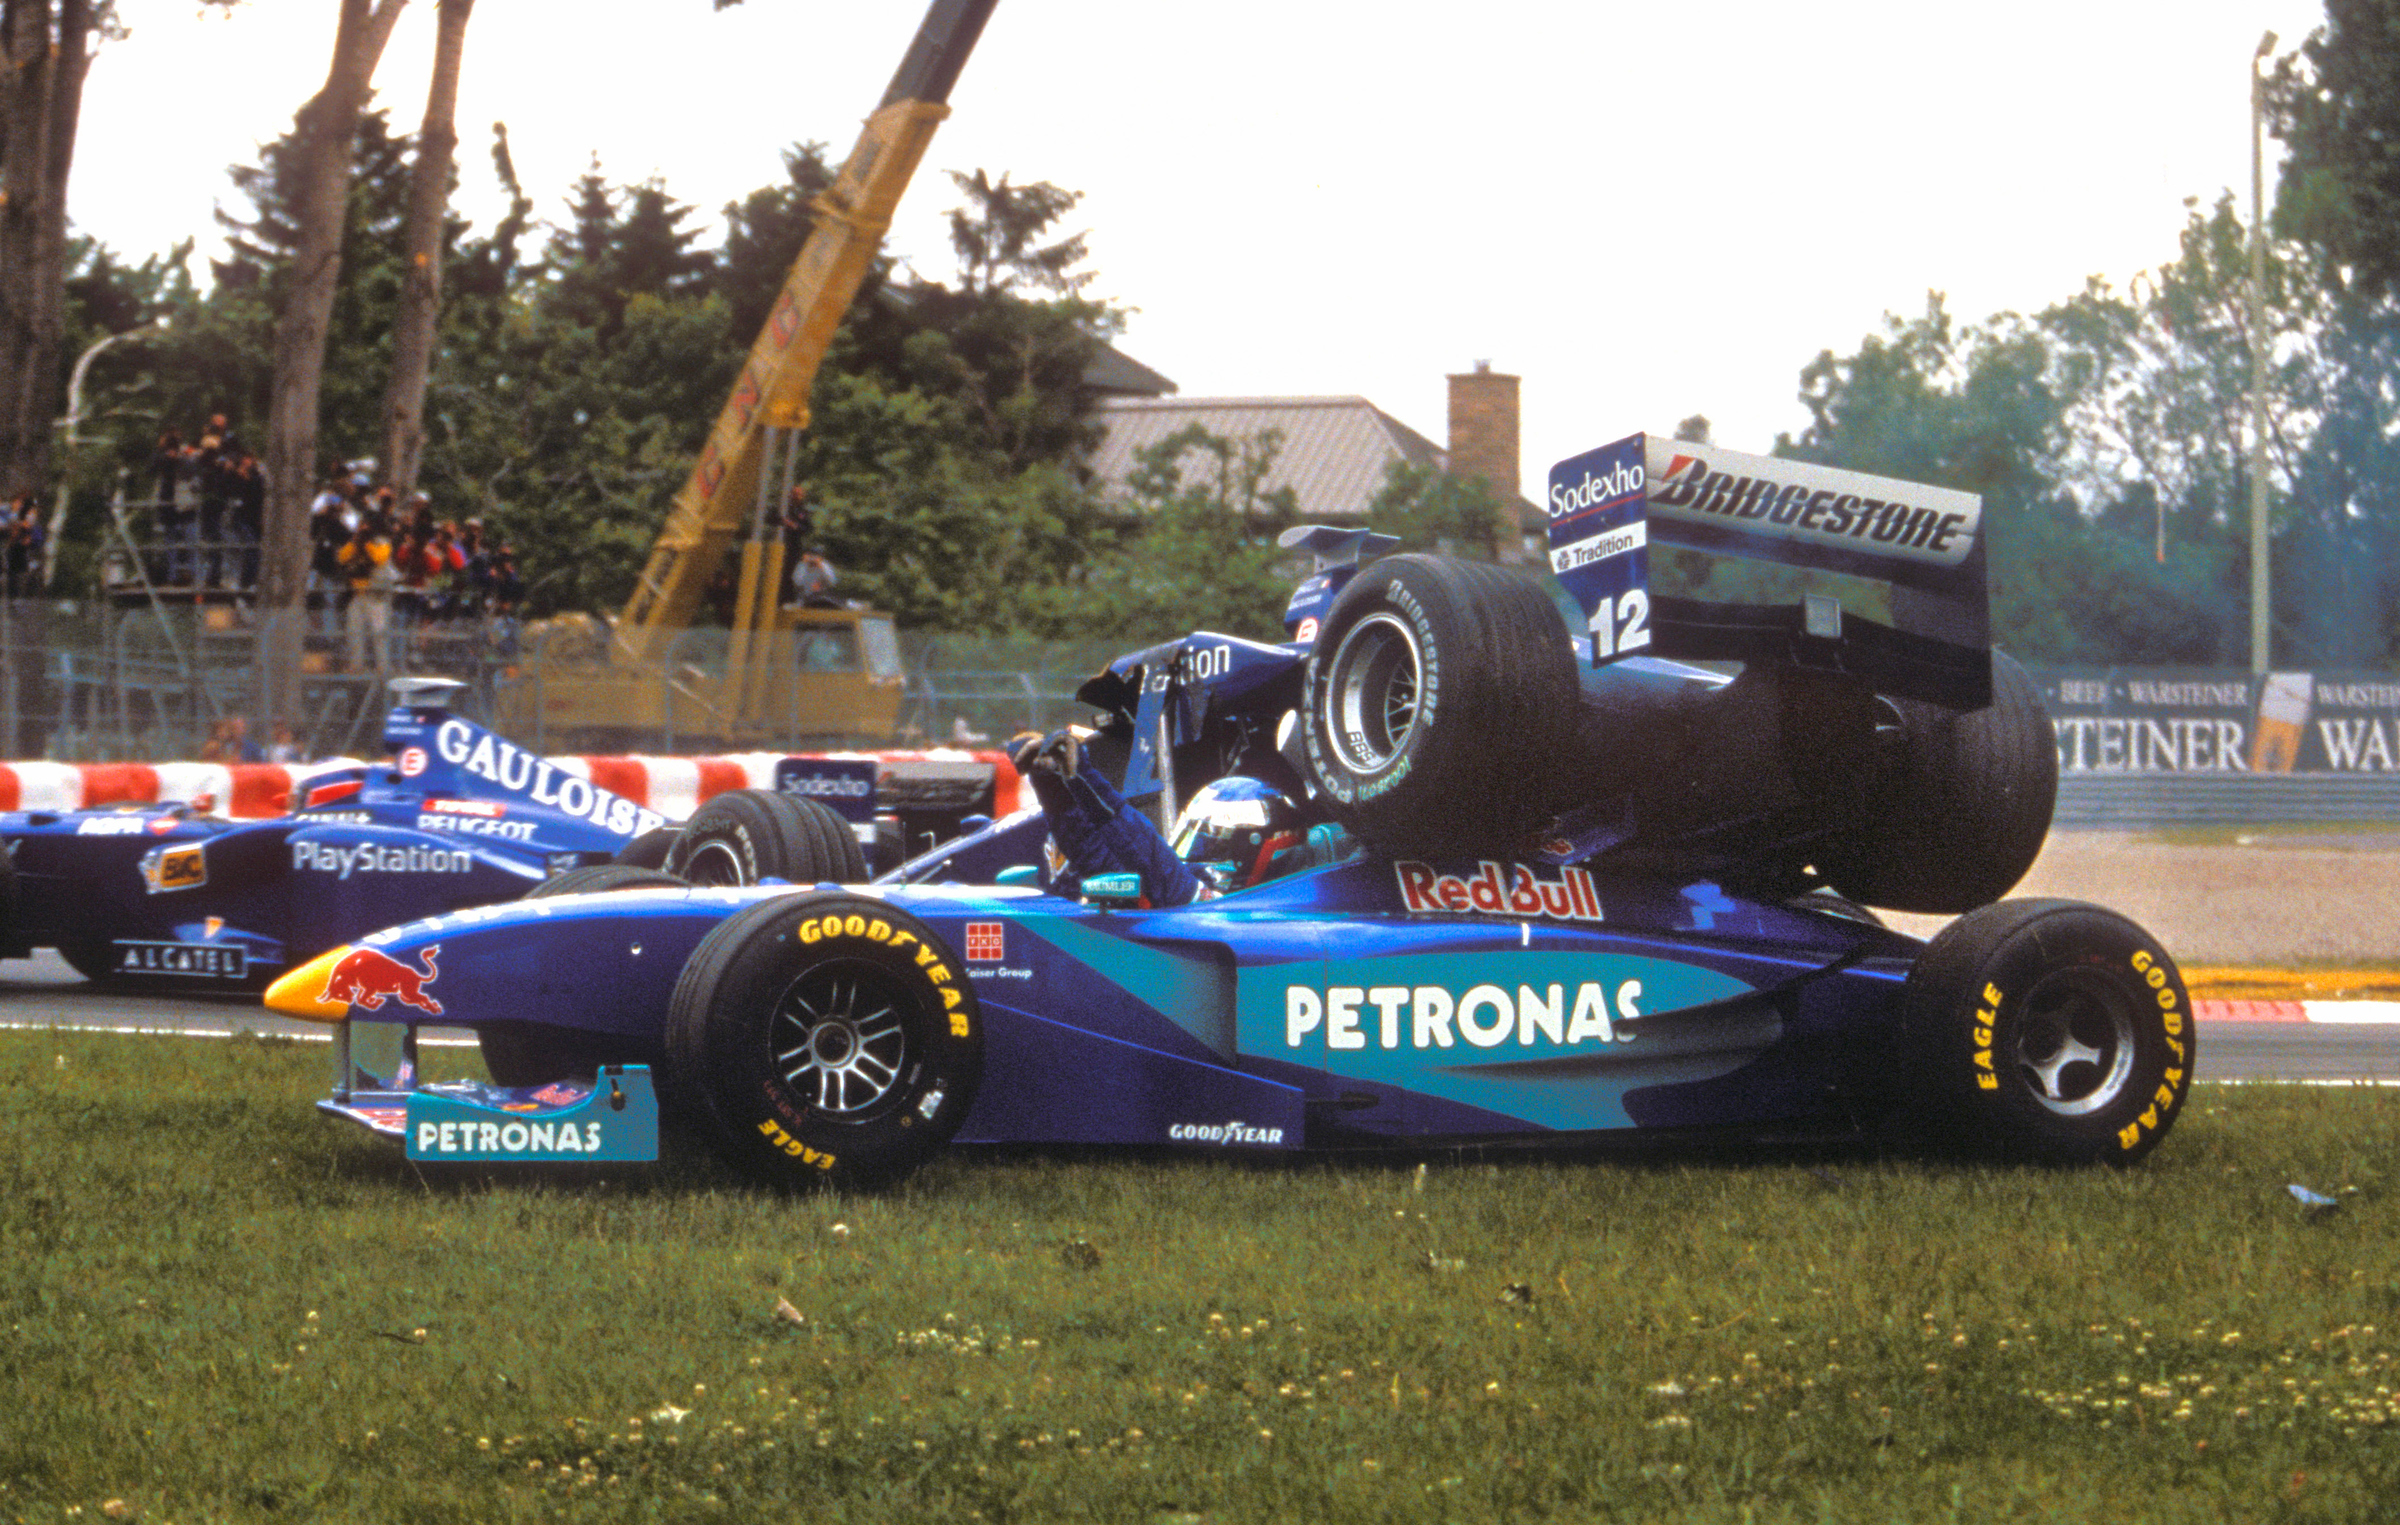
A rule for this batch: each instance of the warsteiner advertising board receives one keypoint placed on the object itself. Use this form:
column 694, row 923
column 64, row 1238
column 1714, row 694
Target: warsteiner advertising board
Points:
column 2162, row 720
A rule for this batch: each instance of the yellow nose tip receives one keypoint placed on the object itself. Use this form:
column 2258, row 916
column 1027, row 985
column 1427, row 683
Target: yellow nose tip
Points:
column 301, row 992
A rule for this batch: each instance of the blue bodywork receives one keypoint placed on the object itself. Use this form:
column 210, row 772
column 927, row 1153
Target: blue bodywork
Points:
column 1372, row 1000
column 455, row 817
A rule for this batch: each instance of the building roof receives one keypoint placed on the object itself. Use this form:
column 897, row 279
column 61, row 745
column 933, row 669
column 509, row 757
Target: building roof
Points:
column 1334, row 454
column 1115, row 373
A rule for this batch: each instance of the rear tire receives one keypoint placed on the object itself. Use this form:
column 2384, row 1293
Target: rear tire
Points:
column 603, row 878
column 2049, row 1032
column 650, row 849
column 1440, row 703
column 745, row 836
column 826, row 1040
column 1967, row 810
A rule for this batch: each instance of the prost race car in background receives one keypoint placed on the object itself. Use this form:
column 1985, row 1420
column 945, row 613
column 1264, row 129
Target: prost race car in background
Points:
column 167, row 896
column 1588, row 888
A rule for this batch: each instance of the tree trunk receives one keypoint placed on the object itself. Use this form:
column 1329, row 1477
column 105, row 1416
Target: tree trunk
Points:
column 69, row 65
column 24, row 121
column 421, row 292
column 325, row 132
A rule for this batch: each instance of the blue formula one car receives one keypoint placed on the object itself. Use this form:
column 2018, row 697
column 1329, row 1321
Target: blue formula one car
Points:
column 169, row 897
column 1577, row 889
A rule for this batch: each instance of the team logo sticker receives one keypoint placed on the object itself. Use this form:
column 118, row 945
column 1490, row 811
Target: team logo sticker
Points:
column 368, row 978
column 175, row 868
column 412, row 762
column 987, row 942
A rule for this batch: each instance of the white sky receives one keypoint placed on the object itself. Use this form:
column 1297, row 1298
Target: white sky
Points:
column 1643, row 211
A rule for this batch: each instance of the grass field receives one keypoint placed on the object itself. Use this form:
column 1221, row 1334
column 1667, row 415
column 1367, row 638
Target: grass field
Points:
column 220, row 1307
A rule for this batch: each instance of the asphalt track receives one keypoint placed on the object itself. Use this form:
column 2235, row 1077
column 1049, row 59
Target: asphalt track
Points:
column 42, row 992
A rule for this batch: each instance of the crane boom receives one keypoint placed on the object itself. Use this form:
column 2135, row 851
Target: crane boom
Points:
column 772, row 390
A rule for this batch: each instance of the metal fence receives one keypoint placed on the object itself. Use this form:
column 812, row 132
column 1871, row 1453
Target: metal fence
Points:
column 148, row 680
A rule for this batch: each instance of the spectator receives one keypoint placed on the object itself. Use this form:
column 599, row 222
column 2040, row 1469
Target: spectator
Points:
column 285, row 748
column 167, row 512
column 813, row 580
column 798, row 523
column 328, row 530
column 229, row 742
column 366, row 561
column 249, row 487
column 20, row 546
column 215, row 471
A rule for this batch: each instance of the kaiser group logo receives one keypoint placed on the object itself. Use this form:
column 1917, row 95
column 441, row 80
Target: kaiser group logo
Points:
column 987, row 942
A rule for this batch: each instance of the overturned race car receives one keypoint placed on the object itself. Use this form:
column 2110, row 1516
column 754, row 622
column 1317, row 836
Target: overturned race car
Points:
column 1573, row 886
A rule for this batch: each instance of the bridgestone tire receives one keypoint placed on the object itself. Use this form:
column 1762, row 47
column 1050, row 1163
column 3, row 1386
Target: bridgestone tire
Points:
column 1441, row 704
column 748, row 835
column 1968, row 811
column 826, row 1039
column 650, row 849
column 2047, row 1032
column 603, row 878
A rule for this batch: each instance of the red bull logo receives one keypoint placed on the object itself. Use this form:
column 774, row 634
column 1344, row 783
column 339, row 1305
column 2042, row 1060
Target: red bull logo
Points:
column 1500, row 889
column 368, row 978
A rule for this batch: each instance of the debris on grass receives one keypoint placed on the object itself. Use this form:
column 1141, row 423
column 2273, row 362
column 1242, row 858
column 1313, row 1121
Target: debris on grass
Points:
column 1079, row 1255
column 789, row 1314
column 2312, row 1203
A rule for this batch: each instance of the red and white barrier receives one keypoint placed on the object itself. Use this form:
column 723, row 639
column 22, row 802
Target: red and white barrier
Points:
column 2348, row 1013
column 672, row 786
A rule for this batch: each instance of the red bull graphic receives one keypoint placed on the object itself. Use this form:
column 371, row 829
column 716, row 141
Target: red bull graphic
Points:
column 367, row 978
column 1500, row 889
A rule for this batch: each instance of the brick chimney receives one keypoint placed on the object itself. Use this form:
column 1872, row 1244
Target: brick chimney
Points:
column 1483, row 442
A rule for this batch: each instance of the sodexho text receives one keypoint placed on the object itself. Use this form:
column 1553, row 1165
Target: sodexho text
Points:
column 1433, row 1016
column 1620, row 480
column 373, row 858
column 519, row 771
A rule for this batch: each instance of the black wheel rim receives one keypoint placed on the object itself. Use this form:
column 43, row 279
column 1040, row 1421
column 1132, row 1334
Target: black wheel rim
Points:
column 715, row 864
column 2075, row 1042
column 1371, row 692
column 839, row 1039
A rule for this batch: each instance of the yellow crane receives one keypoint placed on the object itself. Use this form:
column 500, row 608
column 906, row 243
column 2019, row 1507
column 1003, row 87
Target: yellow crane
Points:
column 787, row 673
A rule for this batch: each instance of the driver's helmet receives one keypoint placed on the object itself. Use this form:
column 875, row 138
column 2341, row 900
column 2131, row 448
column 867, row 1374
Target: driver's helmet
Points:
column 1233, row 830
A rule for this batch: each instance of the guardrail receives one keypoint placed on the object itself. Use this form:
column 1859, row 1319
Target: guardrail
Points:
column 2140, row 801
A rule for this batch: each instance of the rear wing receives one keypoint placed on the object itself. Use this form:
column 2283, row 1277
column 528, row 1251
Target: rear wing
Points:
column 1925, row 543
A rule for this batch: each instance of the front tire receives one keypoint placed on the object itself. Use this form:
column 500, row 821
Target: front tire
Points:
column 2049, row 1032
column 827, row 1039
column 1440, row 703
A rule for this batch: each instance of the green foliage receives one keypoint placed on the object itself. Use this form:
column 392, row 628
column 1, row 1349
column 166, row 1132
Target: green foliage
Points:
column 2336, row 106
column 1202, row 553
column 581, row 363
column 1775, row 1338
column 1433, row 510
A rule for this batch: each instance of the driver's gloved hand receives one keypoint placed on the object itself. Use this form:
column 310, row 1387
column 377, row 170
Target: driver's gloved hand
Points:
column 1058, row 754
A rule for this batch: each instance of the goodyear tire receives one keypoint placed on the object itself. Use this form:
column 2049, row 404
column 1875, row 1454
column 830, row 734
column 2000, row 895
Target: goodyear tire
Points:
column 2049, row 1032
column 650, row 849
column 603, row 878
column 1968, row 809
column 826, row 1039
column 748, row 835
column 1440, row 702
